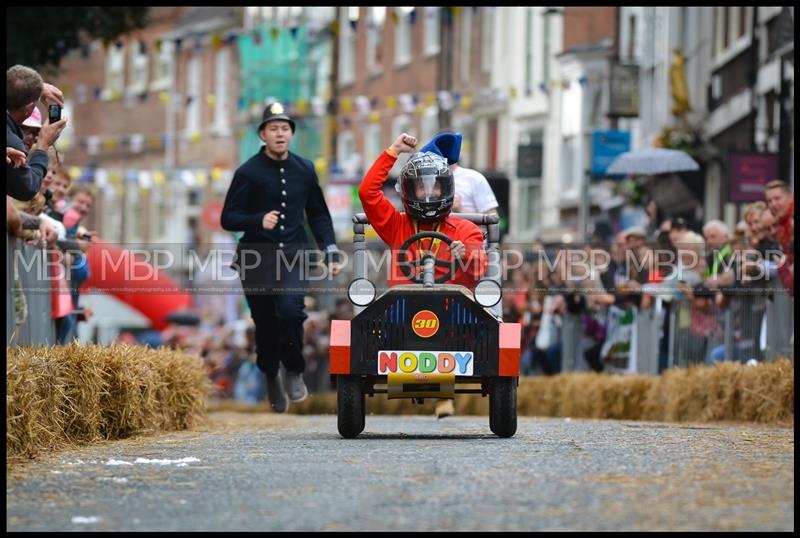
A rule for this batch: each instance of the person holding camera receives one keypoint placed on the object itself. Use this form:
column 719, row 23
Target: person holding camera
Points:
column 82, row 200
column 24, row 88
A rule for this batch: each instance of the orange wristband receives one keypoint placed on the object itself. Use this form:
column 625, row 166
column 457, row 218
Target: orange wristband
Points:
column 391, row 152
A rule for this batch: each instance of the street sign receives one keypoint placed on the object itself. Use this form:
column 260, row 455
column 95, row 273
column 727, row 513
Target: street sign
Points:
column 607, row 145
column 748, row 173
column 624, row 91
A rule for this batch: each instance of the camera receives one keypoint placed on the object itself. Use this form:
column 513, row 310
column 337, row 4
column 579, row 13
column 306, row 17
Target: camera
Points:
column 54, row 113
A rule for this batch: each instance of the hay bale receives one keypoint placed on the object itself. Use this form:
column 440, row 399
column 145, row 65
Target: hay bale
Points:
column 73, row 395
column 725, row 391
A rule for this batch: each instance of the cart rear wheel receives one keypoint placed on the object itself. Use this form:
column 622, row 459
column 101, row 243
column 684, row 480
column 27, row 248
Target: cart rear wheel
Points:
column 503, row 406
column 351, row 409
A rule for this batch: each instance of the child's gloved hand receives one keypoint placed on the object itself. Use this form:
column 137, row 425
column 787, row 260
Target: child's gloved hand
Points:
column 458, row 250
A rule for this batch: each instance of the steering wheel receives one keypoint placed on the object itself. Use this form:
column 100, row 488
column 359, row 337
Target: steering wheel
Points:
column 406, row 265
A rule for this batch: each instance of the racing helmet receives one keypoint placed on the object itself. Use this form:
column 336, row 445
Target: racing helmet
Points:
column 426, row 186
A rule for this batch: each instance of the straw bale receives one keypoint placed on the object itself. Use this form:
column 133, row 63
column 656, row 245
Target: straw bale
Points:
column 71, row 395
column 723, row 392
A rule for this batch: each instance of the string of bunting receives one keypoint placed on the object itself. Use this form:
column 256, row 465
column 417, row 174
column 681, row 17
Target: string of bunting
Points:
column 146, row 179
column 359, row 108
column 346, row 105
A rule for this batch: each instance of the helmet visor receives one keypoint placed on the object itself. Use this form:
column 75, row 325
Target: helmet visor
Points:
column 428, row 179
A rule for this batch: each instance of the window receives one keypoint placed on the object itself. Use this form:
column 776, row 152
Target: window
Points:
column 373, row 142
column 433, row 17
column 375, row 38
column 530, row 151
column 487, row 21
column 193, row 95
column 401, row 124
column 466, row 42
column 252, row 17
column 162, row 76
column 430, row 123
column 569, row 164
column 112, row 216
column 402, row 37
column 347, row 46
column 349, row 160
column 139, row 68
column 221, row 81
column 631, row 37
column 115, row 70
column 529, row 47
column 530, row 203
column 731, row 25
column 345, row 147
column 492, row 144
column 133, row 216
column 320, row 15
column 158, row 211
column 546, row 48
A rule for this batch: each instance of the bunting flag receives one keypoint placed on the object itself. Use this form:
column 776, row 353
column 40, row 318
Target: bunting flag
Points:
column 445, row 100
column 406, row 103
column 145, row 179
column 362, row 103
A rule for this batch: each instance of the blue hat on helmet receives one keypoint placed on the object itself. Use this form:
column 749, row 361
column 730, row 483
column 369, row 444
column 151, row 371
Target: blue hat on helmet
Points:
column 445, row 144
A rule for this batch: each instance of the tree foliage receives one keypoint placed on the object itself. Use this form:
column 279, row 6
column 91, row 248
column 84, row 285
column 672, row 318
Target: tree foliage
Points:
column 40, row 37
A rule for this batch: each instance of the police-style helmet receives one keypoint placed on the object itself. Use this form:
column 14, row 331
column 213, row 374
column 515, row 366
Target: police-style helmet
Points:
column 426, row 186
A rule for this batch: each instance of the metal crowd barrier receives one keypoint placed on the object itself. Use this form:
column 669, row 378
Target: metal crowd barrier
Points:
column 39, row 326
column 697, row 331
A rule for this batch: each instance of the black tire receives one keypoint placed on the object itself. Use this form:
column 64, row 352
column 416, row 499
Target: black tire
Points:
column 503, row 406
column 350, row 405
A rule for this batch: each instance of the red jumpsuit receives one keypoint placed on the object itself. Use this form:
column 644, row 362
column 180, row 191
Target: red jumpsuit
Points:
column 395, row 227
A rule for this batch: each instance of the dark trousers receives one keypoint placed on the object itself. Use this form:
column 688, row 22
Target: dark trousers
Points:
column 279, row 331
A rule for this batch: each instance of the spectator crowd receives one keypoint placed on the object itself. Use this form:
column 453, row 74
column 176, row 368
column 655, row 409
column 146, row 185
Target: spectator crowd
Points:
column 697, row 274
column 665, row 264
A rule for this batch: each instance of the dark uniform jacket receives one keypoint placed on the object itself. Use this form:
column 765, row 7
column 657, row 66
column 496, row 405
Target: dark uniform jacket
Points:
column 291, row 186
column 24, row 182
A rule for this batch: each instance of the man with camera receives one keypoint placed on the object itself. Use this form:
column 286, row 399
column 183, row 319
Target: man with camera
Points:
column 24, row 88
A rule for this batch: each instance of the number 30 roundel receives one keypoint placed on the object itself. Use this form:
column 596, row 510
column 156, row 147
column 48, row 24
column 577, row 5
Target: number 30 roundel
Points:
column 425, row 323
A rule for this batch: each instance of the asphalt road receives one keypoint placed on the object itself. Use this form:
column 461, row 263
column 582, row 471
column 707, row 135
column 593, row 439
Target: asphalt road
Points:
column 266, row 472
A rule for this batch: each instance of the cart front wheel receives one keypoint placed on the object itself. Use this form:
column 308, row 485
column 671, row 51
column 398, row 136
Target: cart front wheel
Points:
column 350, row 405
column 503, row 406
